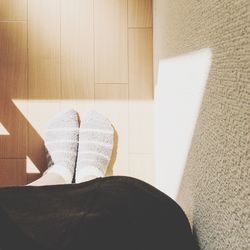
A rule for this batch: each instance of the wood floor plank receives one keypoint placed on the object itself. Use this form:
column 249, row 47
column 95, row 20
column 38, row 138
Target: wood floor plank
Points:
column 77, row 49
column 13, row 10
column 140, row 91
column 79, row 55
column 112, row 101
column 111, row 92
column 13, row 59
column 39, row 114
column 44, row 49
column 140, row 64
column 13, row 145
column 13, row 85
column 111, row 59
column 141, row 127
column 141, row 166
column 44, row 73
column 139, row 13
column 12, row 172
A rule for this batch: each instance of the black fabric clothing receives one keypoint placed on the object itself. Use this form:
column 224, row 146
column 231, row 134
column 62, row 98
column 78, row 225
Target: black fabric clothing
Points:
column 113, row 213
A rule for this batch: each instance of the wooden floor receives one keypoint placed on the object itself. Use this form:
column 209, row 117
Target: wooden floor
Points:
column 91, row 54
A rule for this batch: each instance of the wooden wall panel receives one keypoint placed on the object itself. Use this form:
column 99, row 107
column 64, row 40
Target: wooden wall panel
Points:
column 12, row 172
column 14, row 10
column 111, row 59
column 77, row 49
column 140, row 13
column 13, row 84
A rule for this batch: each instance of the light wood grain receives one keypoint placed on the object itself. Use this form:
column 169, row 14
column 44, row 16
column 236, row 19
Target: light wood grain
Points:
column 140, row 91
column 13, row 60
column 111, row 59
column 77, row 49
column 14, row 10
column 142, row 167
column 44, row 49
column 12, row 172
column 80, row 55
column 112, row 101
column 44, row 73
column 140, row 64
column 111, row 92
column 141, row 127
column 139, row 13
column 15, row 144
column 13, row 84
column 39, row 114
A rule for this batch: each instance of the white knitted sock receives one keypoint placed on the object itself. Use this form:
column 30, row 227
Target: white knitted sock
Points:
column 95, row 146
column 61, row 142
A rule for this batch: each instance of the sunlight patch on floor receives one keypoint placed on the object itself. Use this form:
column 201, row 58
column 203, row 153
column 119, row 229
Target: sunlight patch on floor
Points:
column 3, row 130
column 132, row 121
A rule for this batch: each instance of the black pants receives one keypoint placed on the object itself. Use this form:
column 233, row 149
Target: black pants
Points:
column 113, row 213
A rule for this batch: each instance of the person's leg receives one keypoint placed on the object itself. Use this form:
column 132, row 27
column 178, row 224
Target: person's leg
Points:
column 96, row 137
column 61, row 142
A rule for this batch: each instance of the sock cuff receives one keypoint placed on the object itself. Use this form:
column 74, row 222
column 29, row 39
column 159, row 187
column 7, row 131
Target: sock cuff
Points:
column 88, row 171
column 64, row 172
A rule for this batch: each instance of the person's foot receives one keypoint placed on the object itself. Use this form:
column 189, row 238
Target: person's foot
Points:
column 61, row 142
column 95, row 146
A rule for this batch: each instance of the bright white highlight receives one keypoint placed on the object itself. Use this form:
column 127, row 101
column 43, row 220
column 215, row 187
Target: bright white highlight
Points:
column 178, row 95
column 30, row 167
column 3, row 130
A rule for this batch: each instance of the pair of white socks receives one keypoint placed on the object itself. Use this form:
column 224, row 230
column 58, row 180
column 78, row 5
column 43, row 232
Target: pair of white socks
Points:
column 84, row 150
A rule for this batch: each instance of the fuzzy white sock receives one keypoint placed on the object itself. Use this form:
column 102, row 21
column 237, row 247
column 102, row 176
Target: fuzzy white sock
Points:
column 95, row 146
column 61, row 142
